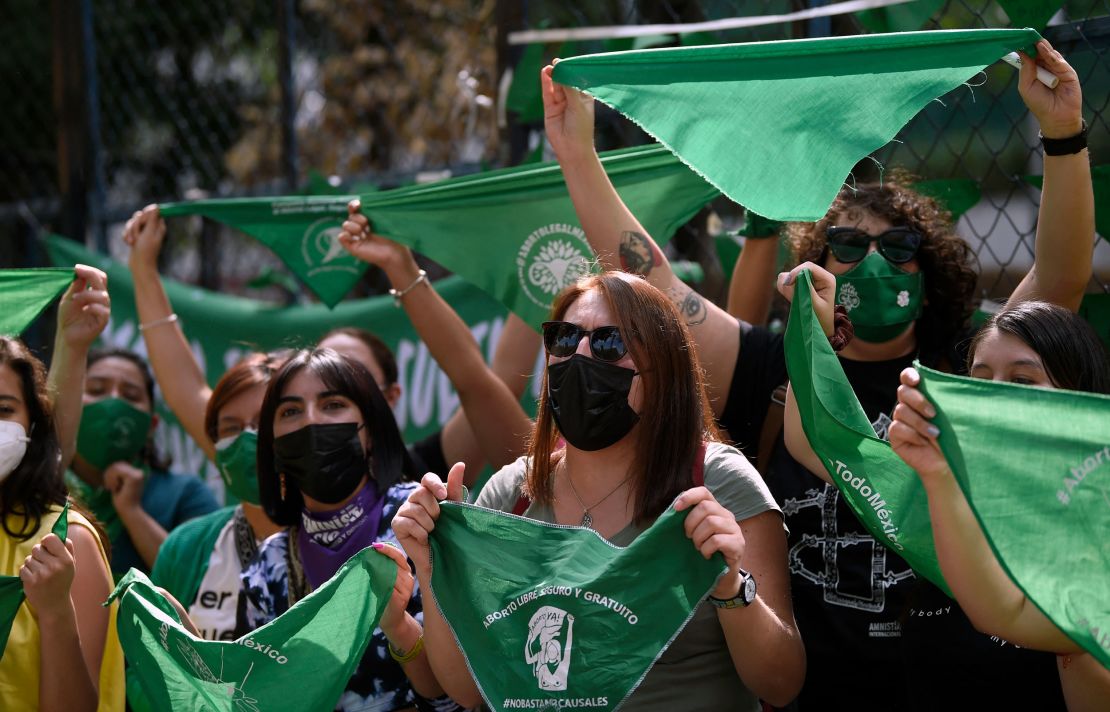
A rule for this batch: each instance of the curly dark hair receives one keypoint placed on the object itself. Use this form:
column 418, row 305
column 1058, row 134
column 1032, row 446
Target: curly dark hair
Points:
column 948, row 263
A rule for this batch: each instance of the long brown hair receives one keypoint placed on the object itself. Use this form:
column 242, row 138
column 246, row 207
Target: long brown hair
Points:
column 675, row 417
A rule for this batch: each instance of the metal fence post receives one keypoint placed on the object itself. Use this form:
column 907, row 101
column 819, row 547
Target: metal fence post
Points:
column 70, row 109
column 285, row 17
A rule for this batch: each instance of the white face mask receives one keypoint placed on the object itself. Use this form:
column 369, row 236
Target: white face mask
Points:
column 13, row 446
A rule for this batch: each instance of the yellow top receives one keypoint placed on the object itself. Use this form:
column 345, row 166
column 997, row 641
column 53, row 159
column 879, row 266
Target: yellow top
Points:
column 19, row 668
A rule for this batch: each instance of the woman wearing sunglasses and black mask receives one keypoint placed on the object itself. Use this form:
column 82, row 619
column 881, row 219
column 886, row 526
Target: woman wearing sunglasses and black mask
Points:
column 329, row 469
column 622, row 423
column 851, row 595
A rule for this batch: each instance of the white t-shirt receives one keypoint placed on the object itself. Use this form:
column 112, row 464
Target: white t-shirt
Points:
column 213, row 611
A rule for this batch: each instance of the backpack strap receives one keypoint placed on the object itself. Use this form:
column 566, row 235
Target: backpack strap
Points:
column 698, row 474
column 521, row 505
column 772, row 426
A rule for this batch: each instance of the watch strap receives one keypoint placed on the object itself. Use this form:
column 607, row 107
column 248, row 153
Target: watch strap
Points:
column 1065, row 146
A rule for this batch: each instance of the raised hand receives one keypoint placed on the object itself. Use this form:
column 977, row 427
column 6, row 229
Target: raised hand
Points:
column 568, row 116
column 85, row 308
column 394, row 614
column 144, row 234
column 822, row 289
column 713, row 528
column 912, row 435
column 359, row 239
column 417, row 517
column 125, row 483
column 1059, row 111
column 47, row 576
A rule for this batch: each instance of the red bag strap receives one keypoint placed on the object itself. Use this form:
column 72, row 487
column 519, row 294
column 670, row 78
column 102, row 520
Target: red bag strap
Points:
column 699, row 466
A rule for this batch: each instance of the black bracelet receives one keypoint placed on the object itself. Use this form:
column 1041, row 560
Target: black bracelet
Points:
column 1065, row 146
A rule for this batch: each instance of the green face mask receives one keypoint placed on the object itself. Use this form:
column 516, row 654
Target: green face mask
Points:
column 236, row 460
column 882, row 300
column 112, row 430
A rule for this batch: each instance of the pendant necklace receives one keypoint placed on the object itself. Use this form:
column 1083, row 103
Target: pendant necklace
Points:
column 587, row 520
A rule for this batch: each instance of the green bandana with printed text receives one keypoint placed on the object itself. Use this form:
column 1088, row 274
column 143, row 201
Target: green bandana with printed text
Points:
column 301, row 660
column 560, row 618
column 885, row 493
column 513, row 233
column 1034, row 464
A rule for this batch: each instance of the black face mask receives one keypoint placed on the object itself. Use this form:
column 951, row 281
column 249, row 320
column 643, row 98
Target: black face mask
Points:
column 326, row 462
column 589, row 399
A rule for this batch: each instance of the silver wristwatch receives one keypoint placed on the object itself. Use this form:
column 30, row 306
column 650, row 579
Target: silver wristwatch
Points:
column 744, row 597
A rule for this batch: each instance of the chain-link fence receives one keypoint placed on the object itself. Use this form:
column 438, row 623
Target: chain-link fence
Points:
column 111, row 104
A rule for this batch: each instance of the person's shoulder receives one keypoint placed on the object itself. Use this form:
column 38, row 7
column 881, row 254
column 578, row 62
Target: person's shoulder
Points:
column 736, row 484
column 502, row 489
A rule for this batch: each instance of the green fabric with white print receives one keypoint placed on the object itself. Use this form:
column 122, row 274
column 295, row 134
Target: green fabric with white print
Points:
column 1034, row 464
column 11, row 587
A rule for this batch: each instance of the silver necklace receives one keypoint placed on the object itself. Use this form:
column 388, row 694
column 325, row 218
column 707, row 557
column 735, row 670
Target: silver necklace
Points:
column 587, row 520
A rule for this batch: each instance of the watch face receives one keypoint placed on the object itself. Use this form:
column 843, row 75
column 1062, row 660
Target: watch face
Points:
column 748, row 589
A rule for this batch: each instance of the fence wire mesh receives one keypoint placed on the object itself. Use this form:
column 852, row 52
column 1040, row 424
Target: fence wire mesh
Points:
column 220, row 98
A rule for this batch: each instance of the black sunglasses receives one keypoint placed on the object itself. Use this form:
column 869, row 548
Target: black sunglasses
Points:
column 850, row 244
column 561, row 339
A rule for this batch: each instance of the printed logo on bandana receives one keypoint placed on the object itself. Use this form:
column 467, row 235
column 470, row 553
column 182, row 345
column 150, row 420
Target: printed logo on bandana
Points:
column 552, row 258
column 548, row 647
column 323, row 252
column 121, row 432
column 848, row 297
column 904, row 298
column 1079, row 473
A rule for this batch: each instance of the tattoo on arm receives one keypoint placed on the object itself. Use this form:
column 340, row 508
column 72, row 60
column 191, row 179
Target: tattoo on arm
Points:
column 638, row 253
column 690, row 305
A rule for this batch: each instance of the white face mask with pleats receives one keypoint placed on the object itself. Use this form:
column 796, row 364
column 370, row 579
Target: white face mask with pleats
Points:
column 13, row 446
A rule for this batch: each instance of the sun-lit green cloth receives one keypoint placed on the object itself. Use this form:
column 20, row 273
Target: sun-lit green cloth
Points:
column 25, row 293
column 884, row 492
column 513, row 233
column 1034, row 464
column 778, row 126
column 301, row 660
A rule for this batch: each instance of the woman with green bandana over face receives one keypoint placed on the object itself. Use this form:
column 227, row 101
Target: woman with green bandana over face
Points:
column 58, row 644
column 1036, row 344
column 117, row 473
column 910, row 282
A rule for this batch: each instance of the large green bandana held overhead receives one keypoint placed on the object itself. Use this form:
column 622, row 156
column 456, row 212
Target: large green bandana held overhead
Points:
column 777, row 126
column 513, row 233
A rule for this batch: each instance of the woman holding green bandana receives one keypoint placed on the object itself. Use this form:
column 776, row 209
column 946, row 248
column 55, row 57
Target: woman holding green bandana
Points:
column 201, row 561
column 117, row 473
column 1036, row 344
column 623, row 431
column 908, row 284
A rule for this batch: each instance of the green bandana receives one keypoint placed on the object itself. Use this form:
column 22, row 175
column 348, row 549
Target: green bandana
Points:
column 882, row 300
column 885, row 494
column 512, row 232
column 112, row 430
column 742, row 115
column 11, row 587
column 236, row 459
column 956, row 195
column 25, row 293
column 1034, row 464
column 560, row 618
column 301, row 660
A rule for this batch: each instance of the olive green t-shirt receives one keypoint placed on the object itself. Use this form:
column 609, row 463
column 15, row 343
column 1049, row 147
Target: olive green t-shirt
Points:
column 696, row 671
